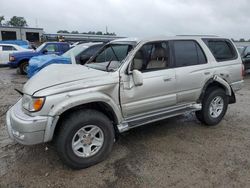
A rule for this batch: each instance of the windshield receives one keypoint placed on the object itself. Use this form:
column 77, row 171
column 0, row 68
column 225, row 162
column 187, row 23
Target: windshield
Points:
column 40, row 47
column 110, row 57
column 76, row 51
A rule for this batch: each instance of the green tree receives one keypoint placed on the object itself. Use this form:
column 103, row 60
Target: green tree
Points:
column 98, row 33
column 242, row 40
column 75, row 32
column 91, row 32
column 1, row 19
column 62, row 31
column 17, row 21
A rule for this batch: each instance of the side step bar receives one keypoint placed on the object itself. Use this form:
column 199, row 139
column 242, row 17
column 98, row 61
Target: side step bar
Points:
column 136, row 121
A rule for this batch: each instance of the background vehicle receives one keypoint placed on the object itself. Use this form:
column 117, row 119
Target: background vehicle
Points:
column 21, row 59
column 7, row 49
column 245, row 55
column 128, row 83
column 81, row 52
column 22, row 43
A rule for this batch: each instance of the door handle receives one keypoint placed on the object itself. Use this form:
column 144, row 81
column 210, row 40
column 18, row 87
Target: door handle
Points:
column 167, row 79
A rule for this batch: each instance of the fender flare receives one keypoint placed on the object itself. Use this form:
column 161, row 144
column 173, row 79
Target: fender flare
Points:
column 73, row 101
column 218, row 80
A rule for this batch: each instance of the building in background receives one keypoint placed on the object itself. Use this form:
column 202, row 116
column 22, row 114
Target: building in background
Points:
column 21, row 33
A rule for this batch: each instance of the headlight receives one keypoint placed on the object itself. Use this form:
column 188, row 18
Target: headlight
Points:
column 12, row 58
column 32, row 104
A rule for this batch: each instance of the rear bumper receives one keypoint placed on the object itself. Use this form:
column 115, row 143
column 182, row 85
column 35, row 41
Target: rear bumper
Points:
column 25, row 129
column 237, row 85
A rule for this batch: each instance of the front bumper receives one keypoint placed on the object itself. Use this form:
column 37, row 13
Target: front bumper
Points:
column 13, row 64
column 25, row 129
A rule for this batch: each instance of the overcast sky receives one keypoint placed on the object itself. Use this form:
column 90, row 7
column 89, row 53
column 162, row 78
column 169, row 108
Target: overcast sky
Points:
column 136, row 18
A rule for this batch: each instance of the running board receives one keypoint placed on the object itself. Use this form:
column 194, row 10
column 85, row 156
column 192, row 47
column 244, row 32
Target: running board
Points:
column 137, row 121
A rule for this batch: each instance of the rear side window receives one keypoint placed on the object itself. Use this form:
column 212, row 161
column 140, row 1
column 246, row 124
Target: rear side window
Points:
column 222, row 50
column 8, row 48
column 187, row 53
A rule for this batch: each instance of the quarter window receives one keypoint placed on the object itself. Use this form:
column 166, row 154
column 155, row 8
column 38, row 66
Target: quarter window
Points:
column 187, row 53
column 221, row 49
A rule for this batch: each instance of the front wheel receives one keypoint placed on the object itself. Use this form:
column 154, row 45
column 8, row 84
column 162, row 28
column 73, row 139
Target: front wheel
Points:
column 85, row 138
column 214, row 107
column 23, row 67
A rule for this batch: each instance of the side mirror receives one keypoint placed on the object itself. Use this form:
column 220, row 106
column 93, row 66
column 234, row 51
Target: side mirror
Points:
column 247, row 55
column 45, row 51
column 137, row 77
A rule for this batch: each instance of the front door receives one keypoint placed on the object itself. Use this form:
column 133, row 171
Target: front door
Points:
column 158, row 88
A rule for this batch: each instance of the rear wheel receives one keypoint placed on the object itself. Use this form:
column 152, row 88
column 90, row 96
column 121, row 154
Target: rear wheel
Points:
column 214, row 107
column 23, row 67
column 85, row 138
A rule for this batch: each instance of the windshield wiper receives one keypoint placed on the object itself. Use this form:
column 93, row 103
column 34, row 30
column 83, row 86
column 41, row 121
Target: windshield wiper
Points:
column 107, row 67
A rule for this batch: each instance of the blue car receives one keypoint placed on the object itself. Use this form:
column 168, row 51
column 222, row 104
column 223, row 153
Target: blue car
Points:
column 21, row 59
column 81, row 53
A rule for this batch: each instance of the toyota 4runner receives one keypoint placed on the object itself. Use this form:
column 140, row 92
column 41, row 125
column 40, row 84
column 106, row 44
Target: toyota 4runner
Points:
column 128, row 83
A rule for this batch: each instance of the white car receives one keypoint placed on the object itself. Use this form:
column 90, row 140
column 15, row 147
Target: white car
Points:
column 6, row 49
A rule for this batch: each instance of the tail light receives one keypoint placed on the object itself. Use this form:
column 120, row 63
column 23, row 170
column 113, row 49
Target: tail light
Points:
column 242, row 70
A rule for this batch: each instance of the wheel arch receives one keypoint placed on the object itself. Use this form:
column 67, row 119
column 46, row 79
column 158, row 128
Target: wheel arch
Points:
column 107, row 107
column 22, row 60
column 219, row 82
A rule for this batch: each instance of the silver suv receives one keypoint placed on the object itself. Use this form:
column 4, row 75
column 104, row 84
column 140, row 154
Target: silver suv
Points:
column 128, row 83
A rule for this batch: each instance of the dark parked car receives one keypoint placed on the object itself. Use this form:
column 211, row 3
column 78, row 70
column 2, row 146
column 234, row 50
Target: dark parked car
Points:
column 245, row 55
column 81, row 53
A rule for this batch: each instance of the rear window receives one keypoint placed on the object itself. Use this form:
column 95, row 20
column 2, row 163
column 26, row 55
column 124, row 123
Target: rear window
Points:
column 222, row 50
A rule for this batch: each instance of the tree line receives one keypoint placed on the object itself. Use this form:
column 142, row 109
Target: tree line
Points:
column 15, row 21
column 90, row 32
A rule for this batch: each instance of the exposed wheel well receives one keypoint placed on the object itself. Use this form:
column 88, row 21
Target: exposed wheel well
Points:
column 214, row 84
column 23, row 60
column 98, row 106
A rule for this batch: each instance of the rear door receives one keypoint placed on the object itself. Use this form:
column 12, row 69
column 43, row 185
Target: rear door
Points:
column 192, row 69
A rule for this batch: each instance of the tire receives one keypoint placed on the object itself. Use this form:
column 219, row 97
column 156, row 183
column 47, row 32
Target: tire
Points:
column 69, row 135
column 211, row 115
column 23, row 67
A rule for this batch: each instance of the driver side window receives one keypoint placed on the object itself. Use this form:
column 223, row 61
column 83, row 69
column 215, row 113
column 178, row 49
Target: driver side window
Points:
column 51, row 48
column 152, row 56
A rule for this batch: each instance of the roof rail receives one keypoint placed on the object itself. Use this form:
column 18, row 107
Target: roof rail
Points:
column 197, row 36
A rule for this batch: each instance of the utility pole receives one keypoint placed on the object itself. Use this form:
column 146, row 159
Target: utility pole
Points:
column 106, row 29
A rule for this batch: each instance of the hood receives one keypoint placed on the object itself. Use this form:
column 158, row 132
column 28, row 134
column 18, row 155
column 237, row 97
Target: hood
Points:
column 39, row 62
column 25, row 54
column 55, row 76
